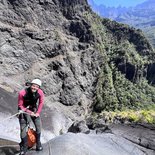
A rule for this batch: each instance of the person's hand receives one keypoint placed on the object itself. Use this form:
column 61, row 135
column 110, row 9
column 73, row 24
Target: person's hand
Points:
column 33, row 114
column 37, row 115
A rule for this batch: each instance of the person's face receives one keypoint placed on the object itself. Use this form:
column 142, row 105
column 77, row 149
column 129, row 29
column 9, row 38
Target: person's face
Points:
column 34, row 88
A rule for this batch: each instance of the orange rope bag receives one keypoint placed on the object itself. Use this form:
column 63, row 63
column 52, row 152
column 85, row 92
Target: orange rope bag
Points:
column 31, row 137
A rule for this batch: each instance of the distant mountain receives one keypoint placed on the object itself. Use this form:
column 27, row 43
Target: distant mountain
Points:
column 141, row 16
column 110, row 12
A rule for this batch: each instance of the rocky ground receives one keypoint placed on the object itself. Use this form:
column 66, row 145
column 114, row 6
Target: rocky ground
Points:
column 62, row 136
column 124, row 140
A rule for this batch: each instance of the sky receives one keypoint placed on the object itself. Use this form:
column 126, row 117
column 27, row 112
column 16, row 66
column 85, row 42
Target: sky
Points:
column 126, row 3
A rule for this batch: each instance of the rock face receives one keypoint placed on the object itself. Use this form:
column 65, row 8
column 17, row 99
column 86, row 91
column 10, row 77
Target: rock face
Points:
column 141, row 134
column 55, row 121
column 37, row 40
column 8, row 102
column 85, row 144
column 98, row 140
column 108, row 144
column 59, row 42
column 79, row 57
column 75, row 144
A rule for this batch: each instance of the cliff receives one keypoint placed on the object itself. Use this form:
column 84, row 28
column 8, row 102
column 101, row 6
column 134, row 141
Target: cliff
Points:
column 87, row 65
column 83, row 60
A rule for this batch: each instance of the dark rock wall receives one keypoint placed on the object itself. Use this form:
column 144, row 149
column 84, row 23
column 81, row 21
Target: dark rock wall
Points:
column 38, row 41
column 53, row 40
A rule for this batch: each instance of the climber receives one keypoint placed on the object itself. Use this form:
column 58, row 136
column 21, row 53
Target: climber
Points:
column 30, row 101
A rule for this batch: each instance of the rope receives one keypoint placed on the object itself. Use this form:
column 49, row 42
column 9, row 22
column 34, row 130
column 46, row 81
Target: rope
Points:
column 9, row 117
column 23, row 112
column 20, row 112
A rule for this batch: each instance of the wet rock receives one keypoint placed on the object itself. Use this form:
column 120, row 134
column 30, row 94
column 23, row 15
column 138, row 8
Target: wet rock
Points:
column 79, row 127
column 75, row 144
column 102, row 130
column 142, row 135
column 135, row 139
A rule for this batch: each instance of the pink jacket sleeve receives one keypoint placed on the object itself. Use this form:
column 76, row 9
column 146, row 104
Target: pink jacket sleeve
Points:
column 41, row 101
column 21, row 101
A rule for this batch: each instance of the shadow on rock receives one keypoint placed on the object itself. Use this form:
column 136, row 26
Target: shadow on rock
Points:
column 9, row 150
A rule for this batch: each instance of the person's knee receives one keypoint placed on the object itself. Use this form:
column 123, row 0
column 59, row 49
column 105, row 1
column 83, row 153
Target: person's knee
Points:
column 38, row 126
column 23, row 129
column 38, row 129
column 22, row 121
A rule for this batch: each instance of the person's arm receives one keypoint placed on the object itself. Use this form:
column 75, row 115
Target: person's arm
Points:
column 41, row 101
column 21, row 102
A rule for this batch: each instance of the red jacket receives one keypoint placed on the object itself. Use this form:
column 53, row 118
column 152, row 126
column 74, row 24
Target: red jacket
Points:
column 28, row 101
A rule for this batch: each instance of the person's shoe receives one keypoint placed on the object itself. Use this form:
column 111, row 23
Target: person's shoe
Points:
column 23, row 146
column 23, row 150
column 22, row 153
column 39, row 147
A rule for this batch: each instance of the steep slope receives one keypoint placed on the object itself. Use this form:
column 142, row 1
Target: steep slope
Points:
column 140, row 16
column 128, row 65
column 84, row 61
column 115, row 139
column 87, row 64
column 38, row 39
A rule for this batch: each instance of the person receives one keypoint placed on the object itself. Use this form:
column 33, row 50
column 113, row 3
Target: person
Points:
column 30, row 101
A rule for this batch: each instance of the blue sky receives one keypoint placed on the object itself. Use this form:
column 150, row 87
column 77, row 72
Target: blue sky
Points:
column 116, row 3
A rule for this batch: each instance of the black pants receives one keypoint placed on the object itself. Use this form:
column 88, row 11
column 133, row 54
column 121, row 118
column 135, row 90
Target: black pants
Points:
column 24, row 121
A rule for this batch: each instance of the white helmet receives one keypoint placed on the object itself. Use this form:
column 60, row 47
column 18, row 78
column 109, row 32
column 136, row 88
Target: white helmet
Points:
column 36, row 81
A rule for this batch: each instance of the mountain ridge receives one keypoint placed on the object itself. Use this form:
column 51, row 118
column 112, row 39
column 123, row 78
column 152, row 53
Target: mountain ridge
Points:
column 134, row 16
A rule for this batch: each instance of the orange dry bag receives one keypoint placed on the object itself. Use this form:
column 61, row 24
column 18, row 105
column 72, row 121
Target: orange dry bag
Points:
column 31, row 137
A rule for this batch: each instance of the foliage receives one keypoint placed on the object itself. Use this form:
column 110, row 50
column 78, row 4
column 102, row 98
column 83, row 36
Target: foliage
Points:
column 122, row 83
column 129, row 116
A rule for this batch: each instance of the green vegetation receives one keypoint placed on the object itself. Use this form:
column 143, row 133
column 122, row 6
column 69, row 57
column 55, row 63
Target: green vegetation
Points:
column 129, row 116
column 122, row 85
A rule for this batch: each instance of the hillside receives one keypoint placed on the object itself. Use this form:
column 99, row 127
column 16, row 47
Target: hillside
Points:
column 141, row 16
column 83, row 60
column 92, row 69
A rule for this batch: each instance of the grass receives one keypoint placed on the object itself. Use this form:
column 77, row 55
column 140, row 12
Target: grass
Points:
column 146, row 115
